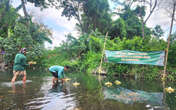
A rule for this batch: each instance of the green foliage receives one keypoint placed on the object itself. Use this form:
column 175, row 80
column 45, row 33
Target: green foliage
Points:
column 118, row 29
column 17, row 33
column 84, row 55
column 157, row 31
column 172, row 54
column 7, row 20
column 95, row 15
column 173, row 37
column 133, row 23
column 140, row 11
column 95, row 44
column 91, row 14
column 152, row 72
column 91, row 61
column 40, row 33
column 96, row 12
column 54, row 57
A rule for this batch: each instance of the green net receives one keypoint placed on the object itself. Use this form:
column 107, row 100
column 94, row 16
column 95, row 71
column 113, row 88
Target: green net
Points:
column 131, row 96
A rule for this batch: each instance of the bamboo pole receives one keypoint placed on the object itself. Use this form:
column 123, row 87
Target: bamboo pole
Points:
column 168, row 44
column 99, row 69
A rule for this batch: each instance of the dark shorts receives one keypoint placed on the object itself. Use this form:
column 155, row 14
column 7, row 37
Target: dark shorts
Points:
column 55, row 74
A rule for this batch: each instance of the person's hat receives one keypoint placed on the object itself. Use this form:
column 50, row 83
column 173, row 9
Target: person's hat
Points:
column 23, row 50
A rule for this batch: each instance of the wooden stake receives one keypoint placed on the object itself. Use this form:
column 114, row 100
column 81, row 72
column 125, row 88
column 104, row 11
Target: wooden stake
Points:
column 168, row 44
column 99, row 69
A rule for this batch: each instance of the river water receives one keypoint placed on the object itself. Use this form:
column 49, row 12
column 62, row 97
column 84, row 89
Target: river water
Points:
column 39, row 94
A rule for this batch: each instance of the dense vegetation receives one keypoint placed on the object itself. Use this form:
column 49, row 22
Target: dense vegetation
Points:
column 125, row 33
column 17, row 32
column 83, row 54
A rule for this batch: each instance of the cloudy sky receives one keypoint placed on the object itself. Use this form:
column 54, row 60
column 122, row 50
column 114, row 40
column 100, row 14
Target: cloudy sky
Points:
column 52, row 18
column 60, row 26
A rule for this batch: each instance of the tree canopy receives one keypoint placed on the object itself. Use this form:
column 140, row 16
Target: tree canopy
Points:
column 16, row 32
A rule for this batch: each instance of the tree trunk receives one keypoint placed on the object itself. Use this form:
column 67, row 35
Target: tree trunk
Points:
column 142, row 26
column 7, row 5
column 143, row 33
column 168, row 44
column 142, row 23
column 81, row 25
column 24, row 9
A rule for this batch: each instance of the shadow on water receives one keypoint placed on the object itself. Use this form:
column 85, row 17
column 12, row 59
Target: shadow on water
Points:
column 39, row 94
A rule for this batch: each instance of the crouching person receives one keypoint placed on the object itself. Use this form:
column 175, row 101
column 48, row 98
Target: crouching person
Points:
column 58, row 73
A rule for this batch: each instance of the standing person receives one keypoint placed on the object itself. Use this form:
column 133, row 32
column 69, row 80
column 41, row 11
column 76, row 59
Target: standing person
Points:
column 19, row 67
column 58, row 73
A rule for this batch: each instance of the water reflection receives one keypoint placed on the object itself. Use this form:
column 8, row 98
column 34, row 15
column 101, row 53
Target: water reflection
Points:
column 57, row 88
column 61, row 97
column 164, row 92
column 39, row 94
column 22, row 90
column 57, row 97
column 169, row 101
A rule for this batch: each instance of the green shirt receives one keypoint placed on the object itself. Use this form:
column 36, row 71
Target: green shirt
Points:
column 20, row 62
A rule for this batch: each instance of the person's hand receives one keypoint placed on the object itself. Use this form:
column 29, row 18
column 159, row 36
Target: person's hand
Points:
column 66, row 79
column 29, row 63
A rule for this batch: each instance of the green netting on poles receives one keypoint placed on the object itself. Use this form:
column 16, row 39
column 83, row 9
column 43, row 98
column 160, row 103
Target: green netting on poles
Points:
column 131, row 96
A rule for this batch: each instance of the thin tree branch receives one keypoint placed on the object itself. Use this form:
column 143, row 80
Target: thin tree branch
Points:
column 19, row 7
column 151, row 12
